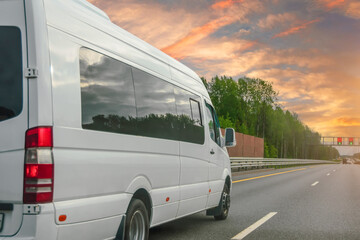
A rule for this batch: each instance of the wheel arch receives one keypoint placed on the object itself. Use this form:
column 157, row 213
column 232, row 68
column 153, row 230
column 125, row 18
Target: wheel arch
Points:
column 140, row 188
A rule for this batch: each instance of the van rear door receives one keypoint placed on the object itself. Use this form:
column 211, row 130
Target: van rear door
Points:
column 13, row 114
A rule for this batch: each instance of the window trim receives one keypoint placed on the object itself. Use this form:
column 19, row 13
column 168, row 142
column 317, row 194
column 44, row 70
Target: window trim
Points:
column 199, row 108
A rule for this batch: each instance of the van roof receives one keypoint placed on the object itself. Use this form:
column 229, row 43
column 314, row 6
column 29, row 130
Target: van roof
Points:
column 87, row 8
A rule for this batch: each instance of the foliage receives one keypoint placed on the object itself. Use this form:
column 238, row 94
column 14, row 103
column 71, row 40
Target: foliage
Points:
column 250, row 106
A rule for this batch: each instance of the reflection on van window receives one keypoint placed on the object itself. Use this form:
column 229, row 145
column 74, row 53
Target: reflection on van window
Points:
column 155, row 104
column 11, row 78
column 118, row 98
column 107, row 93
column 213, row 123
column 190, row 124
column 210, row 122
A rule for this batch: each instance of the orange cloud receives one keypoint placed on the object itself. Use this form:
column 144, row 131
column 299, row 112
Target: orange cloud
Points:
column 196, row 35
column 349, row 8
column 353, row 10
column 332, row 3
column 295, row 29
column 346, row 121
column 225, row 4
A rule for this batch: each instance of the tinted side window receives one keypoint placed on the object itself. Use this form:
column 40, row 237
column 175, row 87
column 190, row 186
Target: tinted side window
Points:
column 155, row 104
column 11, row 92
column 213, row 123
column 210, row 122
column 189, row 117
column 107, row 94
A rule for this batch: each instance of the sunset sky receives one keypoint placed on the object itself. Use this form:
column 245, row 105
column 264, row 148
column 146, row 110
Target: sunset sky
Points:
column 308, row 49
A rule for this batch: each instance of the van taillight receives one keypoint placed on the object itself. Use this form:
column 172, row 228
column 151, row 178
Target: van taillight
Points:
column 39, row 167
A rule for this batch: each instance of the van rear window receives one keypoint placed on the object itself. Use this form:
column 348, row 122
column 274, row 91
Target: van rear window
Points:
column 10, row 73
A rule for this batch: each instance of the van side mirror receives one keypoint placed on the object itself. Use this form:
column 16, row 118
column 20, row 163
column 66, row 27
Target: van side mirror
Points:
column 230, row 140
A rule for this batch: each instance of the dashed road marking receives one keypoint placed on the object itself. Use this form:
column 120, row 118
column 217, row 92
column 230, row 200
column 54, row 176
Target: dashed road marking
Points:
column 269, row 175
column 334, row 170
column 315, row 183
column 250, row 229
column 328, row 174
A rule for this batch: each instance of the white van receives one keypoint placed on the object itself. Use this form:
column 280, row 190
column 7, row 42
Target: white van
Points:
column 102, row 136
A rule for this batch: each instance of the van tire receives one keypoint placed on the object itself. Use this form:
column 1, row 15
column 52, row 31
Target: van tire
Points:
column 224, row 204
column 137, row 221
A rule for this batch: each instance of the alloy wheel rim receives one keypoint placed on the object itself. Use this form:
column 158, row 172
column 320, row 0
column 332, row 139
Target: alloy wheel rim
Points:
column 137, row 226
column 225, row 202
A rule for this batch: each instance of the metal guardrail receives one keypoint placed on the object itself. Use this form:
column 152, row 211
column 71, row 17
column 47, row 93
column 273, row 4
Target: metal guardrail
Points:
column 245, row 163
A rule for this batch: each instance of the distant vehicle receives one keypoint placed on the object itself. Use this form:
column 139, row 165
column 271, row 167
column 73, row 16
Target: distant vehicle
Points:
column 117, row 136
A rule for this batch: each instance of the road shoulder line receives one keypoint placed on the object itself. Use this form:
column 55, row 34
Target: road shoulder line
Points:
column 269, row 175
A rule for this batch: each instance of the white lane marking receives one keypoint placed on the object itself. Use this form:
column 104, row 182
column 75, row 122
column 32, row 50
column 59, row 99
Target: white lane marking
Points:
column 314, row 184
column 328, row 174
column 248, row 230
column 334, row 170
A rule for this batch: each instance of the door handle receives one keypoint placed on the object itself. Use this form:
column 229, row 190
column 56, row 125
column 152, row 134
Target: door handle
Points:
column 212, row 152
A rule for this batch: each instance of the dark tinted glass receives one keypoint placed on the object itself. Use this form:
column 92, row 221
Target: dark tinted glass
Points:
column 155, row 104
column 210, row 122
column 107, row 94
column 214, row 125
column 189, row 122
column 217, row 128
column 11, row 92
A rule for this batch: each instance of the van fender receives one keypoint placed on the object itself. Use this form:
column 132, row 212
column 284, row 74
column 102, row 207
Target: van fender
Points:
column 137, row 183
column 226, row 174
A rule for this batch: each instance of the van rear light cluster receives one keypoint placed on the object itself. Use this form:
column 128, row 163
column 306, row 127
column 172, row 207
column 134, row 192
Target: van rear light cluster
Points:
column 39, row 166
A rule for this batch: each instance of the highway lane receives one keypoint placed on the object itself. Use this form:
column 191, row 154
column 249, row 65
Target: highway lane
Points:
column 320, row 202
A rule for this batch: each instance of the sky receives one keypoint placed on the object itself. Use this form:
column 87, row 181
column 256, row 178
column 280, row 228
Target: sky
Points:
column 308, row 49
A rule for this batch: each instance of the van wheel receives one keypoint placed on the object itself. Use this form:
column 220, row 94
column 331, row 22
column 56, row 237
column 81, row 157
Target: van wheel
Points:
column 137, row 221
column 224, row 204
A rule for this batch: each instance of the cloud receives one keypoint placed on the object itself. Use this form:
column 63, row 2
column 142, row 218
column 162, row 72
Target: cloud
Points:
column 225, row 4
column 222, row 19
column 151, row 21
column 353, row 10
column 272, row 20
column 349, row 8
column 296, row 29
column 176, row 50
column 347, row 121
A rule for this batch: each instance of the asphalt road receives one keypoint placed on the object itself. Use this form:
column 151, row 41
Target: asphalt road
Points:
column 319, row 202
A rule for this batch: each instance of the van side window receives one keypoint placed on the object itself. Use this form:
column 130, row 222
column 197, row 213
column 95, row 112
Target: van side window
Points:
column 116, row 97
column 213, row 123
column 11, row 78
column 107, row 94
column 195, row 112
column 155, row 104
column 189, row 117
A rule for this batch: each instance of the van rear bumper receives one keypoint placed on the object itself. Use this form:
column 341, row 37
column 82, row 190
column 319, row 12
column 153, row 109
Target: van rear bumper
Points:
column 43, row 227
column 39, row 227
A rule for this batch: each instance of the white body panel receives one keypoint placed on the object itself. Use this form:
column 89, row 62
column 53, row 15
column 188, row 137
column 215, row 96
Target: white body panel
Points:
column 96, row 173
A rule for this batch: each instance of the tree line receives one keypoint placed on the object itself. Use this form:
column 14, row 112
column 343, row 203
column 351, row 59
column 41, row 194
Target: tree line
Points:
column 250, row 106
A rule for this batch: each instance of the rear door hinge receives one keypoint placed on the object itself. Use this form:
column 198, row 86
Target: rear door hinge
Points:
column 31, row 73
